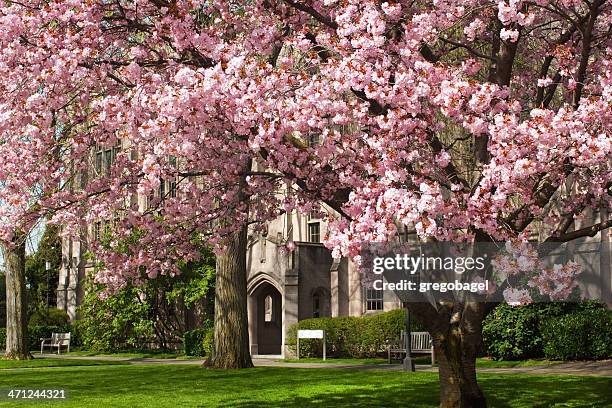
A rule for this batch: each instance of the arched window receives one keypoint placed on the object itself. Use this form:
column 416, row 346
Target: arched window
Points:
column 316, row 305
column 268, row 309
column 320, row 302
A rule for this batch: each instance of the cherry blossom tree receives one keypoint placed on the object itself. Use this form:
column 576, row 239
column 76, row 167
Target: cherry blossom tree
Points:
column 465, row 121
column 85, row 134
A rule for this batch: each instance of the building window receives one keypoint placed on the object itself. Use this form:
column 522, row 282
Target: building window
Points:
column 263, row 240
column 373, row 299
column 162, row 190
column 98, row 162
column 97, row 231
column 172, row 188
column 316, row 305
column 108, row 160
column 268, row 309
column 105, row 158
column 314, row 139
column 168, row 186
column 314, row 232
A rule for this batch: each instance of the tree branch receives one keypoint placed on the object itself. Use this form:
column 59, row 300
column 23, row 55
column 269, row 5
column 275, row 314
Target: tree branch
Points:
column 314, row 13
column 471, row 50
column 583, row 232
column 585, row 54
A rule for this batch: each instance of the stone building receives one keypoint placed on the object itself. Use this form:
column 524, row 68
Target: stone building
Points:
column 283, row 286
column 286, row 286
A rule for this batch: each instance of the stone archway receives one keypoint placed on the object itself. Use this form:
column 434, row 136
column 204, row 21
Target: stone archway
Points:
column 267, row 319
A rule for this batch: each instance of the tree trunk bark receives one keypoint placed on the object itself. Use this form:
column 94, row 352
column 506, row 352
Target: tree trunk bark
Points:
column 16, row 303
column 231, row 319
column 456, row 353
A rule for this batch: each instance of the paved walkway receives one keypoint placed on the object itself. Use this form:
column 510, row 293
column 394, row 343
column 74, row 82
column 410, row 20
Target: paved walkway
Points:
column 597, row 368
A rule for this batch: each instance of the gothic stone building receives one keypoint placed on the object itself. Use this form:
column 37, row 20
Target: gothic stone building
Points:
column 285, row 286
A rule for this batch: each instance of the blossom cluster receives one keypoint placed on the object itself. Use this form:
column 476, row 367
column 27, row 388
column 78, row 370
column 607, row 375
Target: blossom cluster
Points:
column 166, row 120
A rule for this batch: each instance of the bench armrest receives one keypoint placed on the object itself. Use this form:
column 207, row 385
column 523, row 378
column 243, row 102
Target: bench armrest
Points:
column 44, row 339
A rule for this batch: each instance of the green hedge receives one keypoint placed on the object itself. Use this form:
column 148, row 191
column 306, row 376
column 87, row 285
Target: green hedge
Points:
column 582, row 336
column 516, row 333
column 49, row 317
column 355, row 337
column 199, row 342
column 36, row 332
column 513, row 333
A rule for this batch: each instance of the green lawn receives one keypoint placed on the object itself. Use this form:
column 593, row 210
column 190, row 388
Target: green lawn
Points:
column 488, row 363
column 191, row 386
column 52, row 362
column 481, row 362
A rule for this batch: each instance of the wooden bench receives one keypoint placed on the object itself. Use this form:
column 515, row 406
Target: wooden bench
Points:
column 421, row 344
column 57, row 340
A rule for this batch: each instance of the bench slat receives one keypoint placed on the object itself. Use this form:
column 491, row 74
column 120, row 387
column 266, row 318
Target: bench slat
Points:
column 420, row 343
column 57, row 340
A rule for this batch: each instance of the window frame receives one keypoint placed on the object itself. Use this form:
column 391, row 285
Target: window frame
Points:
column 373, row 300
column 312, row 225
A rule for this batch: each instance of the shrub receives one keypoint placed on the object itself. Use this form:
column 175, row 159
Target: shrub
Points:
column 2, row 338
column 581, row 336
column 148, row 315
column 209, row 341
column 49, row 317
column 356, row 337
column 199, row 342
column 512, row 333
column 116, row 322
column 515, row 333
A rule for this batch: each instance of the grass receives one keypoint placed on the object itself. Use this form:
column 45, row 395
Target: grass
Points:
column 53, row 362
column 488, row 363
column 480, row 363
column 347, row 361
column 135, row 354
column 162, row 385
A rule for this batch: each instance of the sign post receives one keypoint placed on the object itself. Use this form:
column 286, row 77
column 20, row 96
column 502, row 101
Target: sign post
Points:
column 311, row 334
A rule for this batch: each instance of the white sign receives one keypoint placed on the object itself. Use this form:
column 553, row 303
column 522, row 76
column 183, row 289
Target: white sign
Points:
column 310, row 334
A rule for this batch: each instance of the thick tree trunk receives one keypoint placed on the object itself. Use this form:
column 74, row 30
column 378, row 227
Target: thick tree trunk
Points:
column 231, row 321
column 16, row 303
column 458, row 385
column 456, row 352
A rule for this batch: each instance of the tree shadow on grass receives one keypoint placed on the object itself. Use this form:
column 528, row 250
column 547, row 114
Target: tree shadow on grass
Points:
column 384, row 389
column 190, row 386
column 511, row 390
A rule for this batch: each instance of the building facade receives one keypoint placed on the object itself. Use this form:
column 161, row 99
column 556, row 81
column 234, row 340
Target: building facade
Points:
column 288, row 285
column 284, row 286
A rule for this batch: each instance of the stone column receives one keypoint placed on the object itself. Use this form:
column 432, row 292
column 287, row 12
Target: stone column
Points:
column 64, row 273
column 72, row 289
column 290, row 307
column 335, row 288
column 355, row 290
column 605, row 261
column 252, row 311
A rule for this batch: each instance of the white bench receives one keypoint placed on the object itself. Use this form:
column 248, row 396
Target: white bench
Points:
column 421, row 344
column 57, row 340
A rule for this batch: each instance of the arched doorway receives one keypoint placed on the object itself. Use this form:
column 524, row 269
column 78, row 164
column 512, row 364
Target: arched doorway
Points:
column 269, row 320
